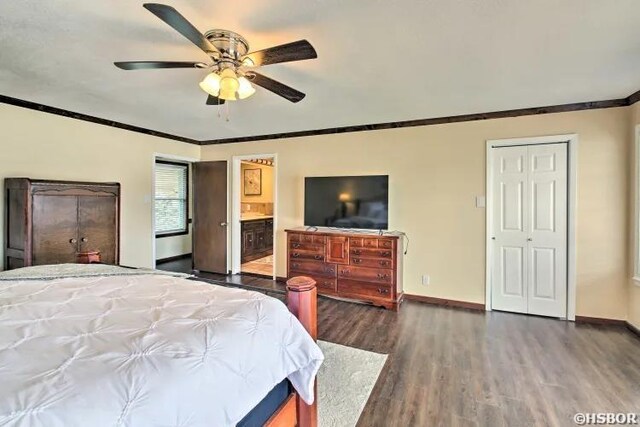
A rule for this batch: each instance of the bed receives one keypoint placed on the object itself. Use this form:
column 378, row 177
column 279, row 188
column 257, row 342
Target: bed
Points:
column 94, row 345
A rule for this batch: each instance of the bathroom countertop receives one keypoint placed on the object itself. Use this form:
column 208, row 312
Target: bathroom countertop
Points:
column 252, row 217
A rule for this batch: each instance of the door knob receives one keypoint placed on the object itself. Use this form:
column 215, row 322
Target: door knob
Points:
column 223, row 224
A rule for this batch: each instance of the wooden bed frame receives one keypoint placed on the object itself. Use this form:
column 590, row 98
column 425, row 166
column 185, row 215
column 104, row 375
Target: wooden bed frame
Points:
column 302, row 300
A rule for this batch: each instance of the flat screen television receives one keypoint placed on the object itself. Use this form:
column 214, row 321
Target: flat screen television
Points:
column 347, row 202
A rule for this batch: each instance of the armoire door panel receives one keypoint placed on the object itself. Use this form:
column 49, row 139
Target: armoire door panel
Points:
column 55, row 223
column 97, row 226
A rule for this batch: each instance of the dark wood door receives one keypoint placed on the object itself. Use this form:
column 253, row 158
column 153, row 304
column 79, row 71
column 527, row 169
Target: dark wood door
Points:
column 55, row 222
column 97, row 226
column 210, row 216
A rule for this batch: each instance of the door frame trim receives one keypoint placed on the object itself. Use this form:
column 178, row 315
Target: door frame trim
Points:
column 162, row 156
column 236, row 208
column 572, row 203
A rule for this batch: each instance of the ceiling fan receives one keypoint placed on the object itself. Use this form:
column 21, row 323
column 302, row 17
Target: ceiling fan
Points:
column 231, row 63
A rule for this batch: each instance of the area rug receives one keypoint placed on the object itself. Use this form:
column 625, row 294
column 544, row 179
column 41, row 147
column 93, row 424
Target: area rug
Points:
column 345, row 381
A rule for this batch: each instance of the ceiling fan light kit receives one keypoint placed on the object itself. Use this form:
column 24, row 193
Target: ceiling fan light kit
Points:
column 231, row 66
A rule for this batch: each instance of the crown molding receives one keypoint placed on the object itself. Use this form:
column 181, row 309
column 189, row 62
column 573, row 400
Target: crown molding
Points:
column 87, row 118
column 612, row 103
column 578, row 106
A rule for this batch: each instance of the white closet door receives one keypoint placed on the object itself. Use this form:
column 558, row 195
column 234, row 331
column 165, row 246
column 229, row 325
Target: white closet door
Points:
column 510, row 194
column 547, row 252
column 529, row 257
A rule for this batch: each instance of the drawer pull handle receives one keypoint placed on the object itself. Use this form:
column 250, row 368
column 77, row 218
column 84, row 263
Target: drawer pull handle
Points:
column 383, row 276
column 318, row 257
column 328, row 270
column 386, row 253
column 295, row 265
column 296, row 254
column 357, row 260
column 384, row 263
column 73, row 241
column 345, row 272
column 357, row 252
column 84, row 240
column 296, row 245
column 383, row 291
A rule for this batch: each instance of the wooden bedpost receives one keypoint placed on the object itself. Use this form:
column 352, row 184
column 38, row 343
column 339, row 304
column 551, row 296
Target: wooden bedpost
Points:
column 302, row 300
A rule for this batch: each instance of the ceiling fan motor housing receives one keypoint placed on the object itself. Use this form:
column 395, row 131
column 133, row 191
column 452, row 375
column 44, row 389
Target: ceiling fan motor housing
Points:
column 232, row 45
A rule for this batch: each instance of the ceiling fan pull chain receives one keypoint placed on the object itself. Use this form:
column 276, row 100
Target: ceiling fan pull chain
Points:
column 227, row 107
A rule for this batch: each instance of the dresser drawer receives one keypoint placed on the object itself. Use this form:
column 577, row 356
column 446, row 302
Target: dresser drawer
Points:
column 354, row 288
column 313, row 267
column 363, row 242
column 317, row 255
column 370, row 253
column 306, row 238
column 322, row 283
column 371, row 262
column 378, row 275
column 312, row 247
column 385, row 243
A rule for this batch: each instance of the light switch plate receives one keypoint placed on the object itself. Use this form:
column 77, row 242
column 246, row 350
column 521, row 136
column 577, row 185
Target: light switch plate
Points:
column 480, row 202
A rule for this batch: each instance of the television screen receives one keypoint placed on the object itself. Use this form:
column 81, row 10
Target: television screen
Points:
column 347, row 202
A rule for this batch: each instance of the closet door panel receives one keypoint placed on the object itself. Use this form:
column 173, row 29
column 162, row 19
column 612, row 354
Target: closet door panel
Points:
column 97, row 225
column 55, row 229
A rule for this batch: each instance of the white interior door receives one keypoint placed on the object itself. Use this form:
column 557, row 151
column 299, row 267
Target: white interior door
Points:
column 529, row 273
column 509, row 273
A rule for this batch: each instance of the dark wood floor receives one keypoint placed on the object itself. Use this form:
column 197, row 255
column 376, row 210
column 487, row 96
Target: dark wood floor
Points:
column 454, row 367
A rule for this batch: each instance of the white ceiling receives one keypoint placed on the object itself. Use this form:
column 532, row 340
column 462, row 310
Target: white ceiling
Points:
column 378, row 60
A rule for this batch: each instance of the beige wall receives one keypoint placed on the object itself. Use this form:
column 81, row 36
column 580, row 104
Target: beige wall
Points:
column 436, row 172
column 267, row 184
column 633, row 309
column 167, row 247
column 39, row 145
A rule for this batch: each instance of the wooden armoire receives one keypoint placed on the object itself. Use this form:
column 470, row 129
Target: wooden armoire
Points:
column 51, row 222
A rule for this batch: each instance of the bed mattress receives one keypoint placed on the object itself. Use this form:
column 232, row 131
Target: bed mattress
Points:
column 143, row 350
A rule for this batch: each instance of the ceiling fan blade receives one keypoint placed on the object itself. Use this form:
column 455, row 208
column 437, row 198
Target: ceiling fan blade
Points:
column 214, row 100
column 295, row 51
column 179, row 23
column 276, row 87
column 146, row 65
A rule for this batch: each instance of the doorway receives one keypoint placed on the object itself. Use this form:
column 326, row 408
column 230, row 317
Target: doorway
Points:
column 254, row 220
column 530, row 226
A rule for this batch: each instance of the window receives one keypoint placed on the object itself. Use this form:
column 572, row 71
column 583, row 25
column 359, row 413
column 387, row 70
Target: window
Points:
column 171, row 198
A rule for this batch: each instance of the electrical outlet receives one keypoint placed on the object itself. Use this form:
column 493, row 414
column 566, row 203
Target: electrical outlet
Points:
column 426, row 279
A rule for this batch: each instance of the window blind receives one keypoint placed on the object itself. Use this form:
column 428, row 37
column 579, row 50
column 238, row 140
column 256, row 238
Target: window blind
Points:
column 171, row 198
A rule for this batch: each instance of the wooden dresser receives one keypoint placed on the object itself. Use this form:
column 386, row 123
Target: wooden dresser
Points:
column 358, row 266
column 51, row 222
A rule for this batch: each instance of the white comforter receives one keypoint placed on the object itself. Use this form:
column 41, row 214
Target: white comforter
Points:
column 144, row 351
